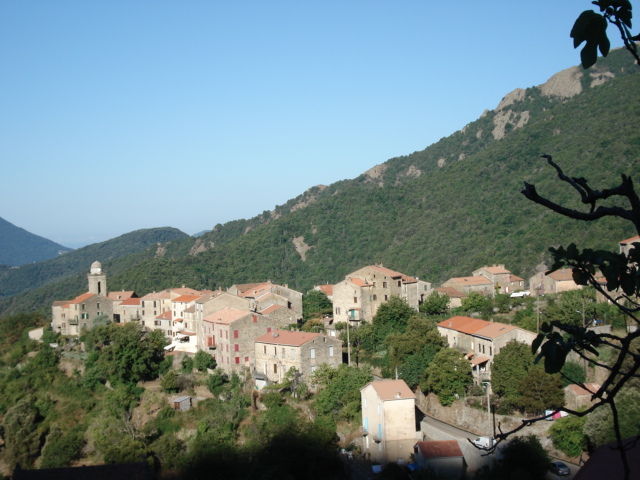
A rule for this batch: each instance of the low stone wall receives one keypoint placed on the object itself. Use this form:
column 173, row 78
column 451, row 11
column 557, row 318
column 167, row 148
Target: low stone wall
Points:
column 462, row 416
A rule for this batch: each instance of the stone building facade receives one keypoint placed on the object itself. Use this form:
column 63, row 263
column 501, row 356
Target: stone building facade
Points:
column 388, row 420
column 361, row 293
column 277, row 351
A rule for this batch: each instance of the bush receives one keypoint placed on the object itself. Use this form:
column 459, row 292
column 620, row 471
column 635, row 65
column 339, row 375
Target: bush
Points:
column 566, row 434
column 203, row 361
column 187, row 364
column 62, row 448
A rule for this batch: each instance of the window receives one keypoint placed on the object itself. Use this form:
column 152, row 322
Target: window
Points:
column 331, row 350
column 275, row 368
column 157, row 322
column 355, row 299
column 236, row 334
column 399, row 283
column 312, row 353
column 282, row 352
column 265, row 349
column 143, row 312
column 97, row 306
column 154, row 304
column 236, row 347
column 489, row 350
column 237, row 360
column 246, row 359
column 386, row 297
column 384, row 284
column 254, row 318
column 375, row 297
column 82, row 306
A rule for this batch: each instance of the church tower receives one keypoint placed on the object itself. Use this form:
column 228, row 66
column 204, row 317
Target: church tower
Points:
column 97, row 280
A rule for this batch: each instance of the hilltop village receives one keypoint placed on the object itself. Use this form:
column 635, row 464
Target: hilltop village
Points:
column 255, row 331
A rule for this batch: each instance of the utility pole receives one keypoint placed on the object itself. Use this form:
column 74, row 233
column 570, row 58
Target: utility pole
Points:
column 348, row 344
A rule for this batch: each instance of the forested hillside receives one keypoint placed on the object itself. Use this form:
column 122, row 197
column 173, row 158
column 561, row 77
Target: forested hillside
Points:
column 439, row 212
column 18, row 246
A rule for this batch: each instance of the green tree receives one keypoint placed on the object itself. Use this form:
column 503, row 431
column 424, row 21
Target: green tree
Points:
column 567, row 436
column 448, row 375
column 170, row 382
column 573, row 372
column 539, row 391
column 509, row 370
column 316, row 304
column 62, row 447
column 477, row 303
column 339, row 391
column 124, row 353
column 391, row 317
column 23, row 433
column 599, row 425
column 203, row 361
column 435, row 304
column 187, row 364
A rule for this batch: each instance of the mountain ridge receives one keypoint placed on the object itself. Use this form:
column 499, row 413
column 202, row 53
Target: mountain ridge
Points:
column 19, row 246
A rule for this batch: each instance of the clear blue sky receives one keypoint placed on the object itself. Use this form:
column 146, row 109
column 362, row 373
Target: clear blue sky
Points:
column 124, row 114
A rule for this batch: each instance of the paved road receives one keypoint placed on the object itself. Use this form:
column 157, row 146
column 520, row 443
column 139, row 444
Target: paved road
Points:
column 436, row 430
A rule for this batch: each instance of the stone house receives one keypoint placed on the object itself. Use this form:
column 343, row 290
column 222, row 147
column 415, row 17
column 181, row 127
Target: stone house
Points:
column 128, row 310
column 554, row 282
column 326, row 288
column 265, row 294
column 234, row 334
column 71, row 317
column 455, row 296
column 481, row 341
column 361, row 293
column 473, row 284
column 502, row 279
column 443, row 458
column 577, row 397
column 388, row 420
column 627, row 244
column 277, row 351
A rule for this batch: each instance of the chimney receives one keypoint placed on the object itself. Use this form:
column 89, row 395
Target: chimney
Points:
column 398, row 395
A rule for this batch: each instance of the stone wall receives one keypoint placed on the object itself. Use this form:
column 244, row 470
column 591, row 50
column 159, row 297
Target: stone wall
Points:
column 462, row 416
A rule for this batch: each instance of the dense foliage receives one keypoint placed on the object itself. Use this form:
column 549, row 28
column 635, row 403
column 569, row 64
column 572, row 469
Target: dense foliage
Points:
column 448, row 376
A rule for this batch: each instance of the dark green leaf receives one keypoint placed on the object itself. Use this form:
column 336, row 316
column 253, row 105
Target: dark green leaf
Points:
column 588, row 55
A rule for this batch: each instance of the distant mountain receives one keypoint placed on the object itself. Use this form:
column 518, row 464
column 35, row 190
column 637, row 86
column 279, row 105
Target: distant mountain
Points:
column 200, row 233
column 436, row 213
column 19, row 247
column 27, row 277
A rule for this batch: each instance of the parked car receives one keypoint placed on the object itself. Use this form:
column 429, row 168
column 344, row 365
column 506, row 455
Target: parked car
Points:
column 484, row 442
column 559, row 468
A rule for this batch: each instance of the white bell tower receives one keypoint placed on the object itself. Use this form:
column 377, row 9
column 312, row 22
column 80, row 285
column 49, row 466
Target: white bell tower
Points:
column 97, row 280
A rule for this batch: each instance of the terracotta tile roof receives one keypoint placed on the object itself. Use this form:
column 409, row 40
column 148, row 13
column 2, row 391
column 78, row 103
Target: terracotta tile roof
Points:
column 165, row 315
column 358, row 282
column 184, row 291
column 208, row 296
column 439, row 449
column 326, row 289
column 123, row 295
column 243, row 287
column 186, row 298
column 285, row 337
column 391, row 389
column 271, row 309
column 630, row 240
column 186, row 332
column 450, row 292
column 256, row 290
column 494, row 330
column 495, row 269
column 157, row 295
column 578, row 390
column 226, row 315
column 131, row 301
column 464, row 324
column 473, row 280
column 515, row 278
column 562, row 275
column 478, row 359
column 81, row 298
column 394, row 274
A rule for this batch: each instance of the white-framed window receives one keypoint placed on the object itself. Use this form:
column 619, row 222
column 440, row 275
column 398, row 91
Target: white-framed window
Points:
column 312, row 353
column 331, row 350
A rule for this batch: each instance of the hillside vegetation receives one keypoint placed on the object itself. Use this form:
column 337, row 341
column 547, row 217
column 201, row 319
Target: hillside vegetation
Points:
column 436, row 213
column 18, row 246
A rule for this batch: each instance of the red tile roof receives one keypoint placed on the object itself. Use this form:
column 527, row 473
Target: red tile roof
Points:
column 562, row 275
column 185, row 332
column 495, row 269
column 285, row 337
column 326, row 289
column 394, row 274
column 131, row 301
column 391, row 389
column 226, row 315
column 515, row 278
column 578, row 390
column 478, row 359
column 184, row 291
column 165, row 315
column 631, row 240
column 450, row 292
column 81, row 298
column 186, row 298
column 494, row 330
column 157, row 295
column 358, row 282
column 439, row 449
column 464, row 324
column 271, row 309
column 123, row 295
